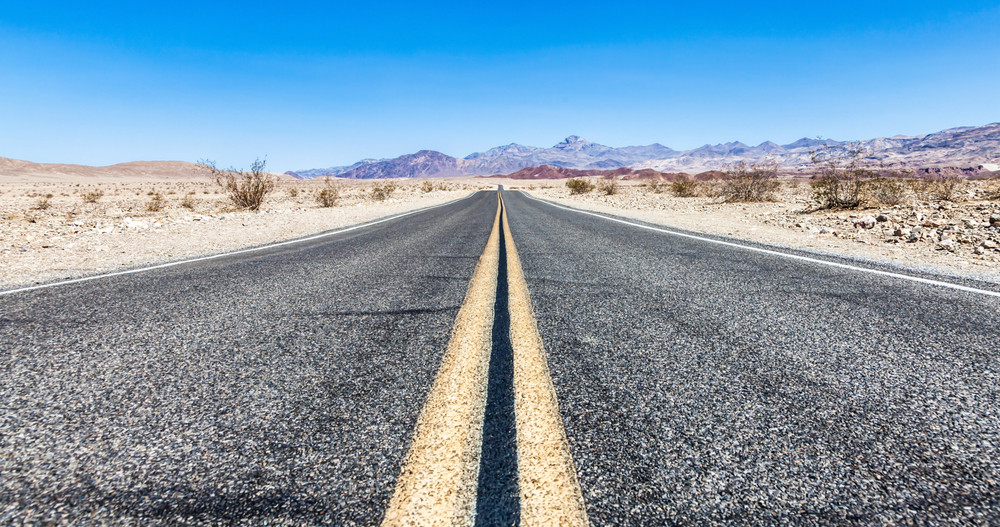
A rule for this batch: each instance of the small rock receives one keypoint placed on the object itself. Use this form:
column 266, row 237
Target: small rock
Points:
column 866, row 222
column 946, row 244
column 882, row 218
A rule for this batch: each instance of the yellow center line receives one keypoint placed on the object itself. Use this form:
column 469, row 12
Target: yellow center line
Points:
column 437, row 485
column 549, row 488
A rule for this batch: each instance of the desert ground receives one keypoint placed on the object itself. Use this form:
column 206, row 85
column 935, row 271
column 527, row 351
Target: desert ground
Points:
column 958, row 237
column 67, row 223
column 56, row 228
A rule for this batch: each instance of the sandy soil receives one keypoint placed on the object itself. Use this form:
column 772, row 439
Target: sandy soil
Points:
column 49, row 231
column 953, row 238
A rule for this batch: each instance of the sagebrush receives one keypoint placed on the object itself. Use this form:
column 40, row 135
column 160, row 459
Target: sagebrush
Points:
column 579, row 186
column 246, row 189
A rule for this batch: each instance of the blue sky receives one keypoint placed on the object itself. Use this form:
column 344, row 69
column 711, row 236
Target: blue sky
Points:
column 320, row 84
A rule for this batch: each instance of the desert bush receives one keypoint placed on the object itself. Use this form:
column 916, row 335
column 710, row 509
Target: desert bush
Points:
column 329, row 195
column 579, row 186
column 188, row 202
column 42, row 204
column 751, row 182
column 887, row 191
column 155, row 204
column 685, row 187
column 428, row 186
column 382, row 192
column 656, row 187
column 993, row 189
column 609, row 186
column 93, row 197
column 246, row 189
column 843, row 176
column 293, row 192
column 944, row 188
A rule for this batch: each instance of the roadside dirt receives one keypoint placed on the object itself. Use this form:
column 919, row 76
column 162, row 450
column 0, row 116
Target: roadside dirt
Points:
column 950, row 237
column 48, row 232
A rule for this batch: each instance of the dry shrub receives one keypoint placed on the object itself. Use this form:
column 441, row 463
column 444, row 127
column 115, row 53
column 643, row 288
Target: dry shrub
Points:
column 382, row 192
column 293, row 192
column 656, row 187
column 42, row 204
column 843, row 176
column 427, row 186
column 993, row 189
column 944, row 188
column 329, row 195
column 188, row 202
column 579, row 186
column 685, row 187
column 887, row 191
column 609, row 186
column 93, row 197
column 246, row 189
column 155, row 204
column 752, row 182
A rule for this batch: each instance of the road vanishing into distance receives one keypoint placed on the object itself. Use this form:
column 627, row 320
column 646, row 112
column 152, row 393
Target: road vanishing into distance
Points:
column 399, row 374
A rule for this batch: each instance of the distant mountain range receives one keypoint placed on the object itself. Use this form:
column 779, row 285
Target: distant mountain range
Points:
column 959, row 147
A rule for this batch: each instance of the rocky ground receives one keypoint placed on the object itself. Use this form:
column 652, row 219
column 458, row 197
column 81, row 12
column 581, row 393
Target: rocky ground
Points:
column 957, row 237
column 57, row 230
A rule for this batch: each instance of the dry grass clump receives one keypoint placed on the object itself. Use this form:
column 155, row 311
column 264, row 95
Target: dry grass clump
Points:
column 656, row 187
column 579, row 186
column 887, row 191
column 383, row 191
column 754, row 182
column 246, row 189
column 293, row 192
column 93, row 197
column 428, row 186
column 42, row 204
column 685, row 187
column 944, row 188
column 156, row 204
column 188, row 202
column 609, row 186
column 329, row 195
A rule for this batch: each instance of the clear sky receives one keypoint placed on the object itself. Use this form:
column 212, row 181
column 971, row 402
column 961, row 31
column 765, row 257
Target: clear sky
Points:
column 320, row 84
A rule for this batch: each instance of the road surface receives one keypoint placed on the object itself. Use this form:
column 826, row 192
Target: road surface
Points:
column 696, row 383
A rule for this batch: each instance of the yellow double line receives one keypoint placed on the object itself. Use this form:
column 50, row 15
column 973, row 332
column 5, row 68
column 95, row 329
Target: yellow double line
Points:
column 437, row 485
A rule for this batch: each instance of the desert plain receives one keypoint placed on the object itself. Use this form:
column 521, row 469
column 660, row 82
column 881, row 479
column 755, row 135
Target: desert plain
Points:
column 60, row 222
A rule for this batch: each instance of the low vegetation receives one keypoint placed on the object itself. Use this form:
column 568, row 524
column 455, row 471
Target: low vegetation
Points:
column 427, row 186
column 685, row 187
column 748, row 183
column 382, row 191
column 328, row 195
column 579, row 186
column 93, row 196
column 245, row 189
column 608, row 186
column 156, row 204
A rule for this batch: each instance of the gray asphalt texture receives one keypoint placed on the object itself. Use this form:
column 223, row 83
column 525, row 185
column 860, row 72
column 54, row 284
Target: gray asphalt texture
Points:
column 706, row 385
column 279, row 387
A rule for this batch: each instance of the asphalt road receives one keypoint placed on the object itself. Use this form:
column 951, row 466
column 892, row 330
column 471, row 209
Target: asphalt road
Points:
column 270, row 387
column 698, row 384
column 702, row 384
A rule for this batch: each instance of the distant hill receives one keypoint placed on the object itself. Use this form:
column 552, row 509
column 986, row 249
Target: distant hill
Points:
column 960, row 147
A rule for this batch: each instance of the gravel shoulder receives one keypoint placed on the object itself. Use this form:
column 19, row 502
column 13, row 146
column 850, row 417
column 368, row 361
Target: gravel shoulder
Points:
column 905, row 236
column 70, row 238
